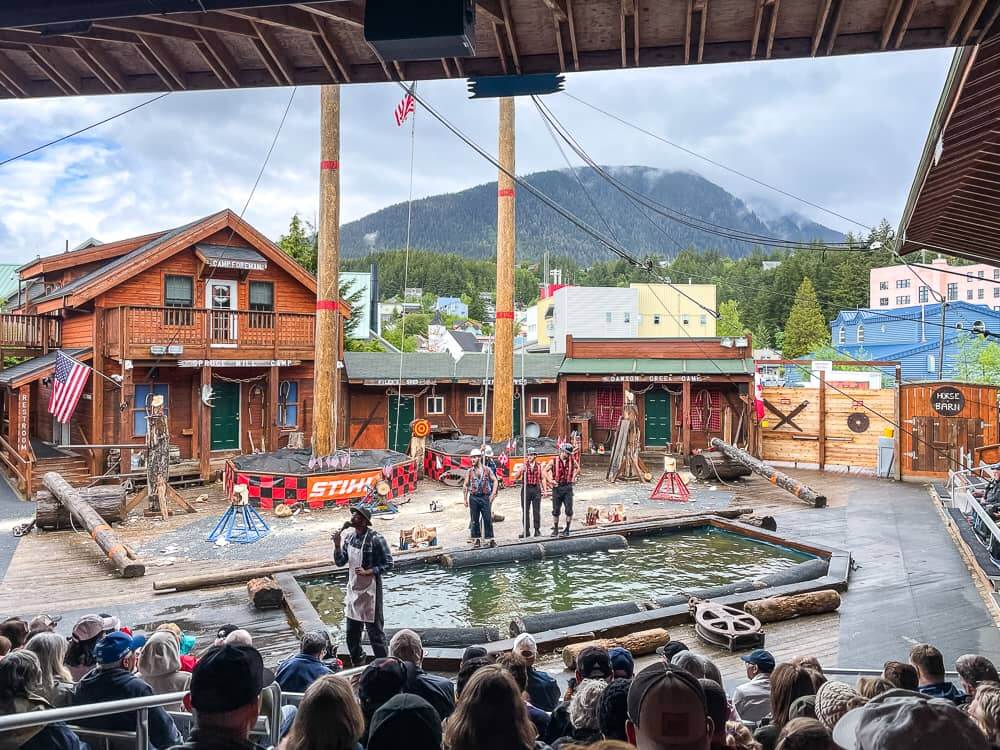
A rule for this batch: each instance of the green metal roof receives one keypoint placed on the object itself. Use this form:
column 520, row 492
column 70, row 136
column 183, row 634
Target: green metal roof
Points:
column 596, row 366
column 9, row 278
column 473, row 365
column 434, row 366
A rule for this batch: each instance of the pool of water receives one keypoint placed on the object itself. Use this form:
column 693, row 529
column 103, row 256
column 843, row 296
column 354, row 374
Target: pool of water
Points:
column 660, row 565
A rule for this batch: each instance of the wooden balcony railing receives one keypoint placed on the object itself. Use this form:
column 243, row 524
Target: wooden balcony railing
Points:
column 198, row 333
column 28, row 332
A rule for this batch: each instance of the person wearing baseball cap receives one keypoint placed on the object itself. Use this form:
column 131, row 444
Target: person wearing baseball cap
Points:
column 114, row 679
column 752, row 700
column 622, row 662
column 592, row 663
column 667, row 708
column 80, row 651
column 543, row 690
column 225, row 698
column 480, row 490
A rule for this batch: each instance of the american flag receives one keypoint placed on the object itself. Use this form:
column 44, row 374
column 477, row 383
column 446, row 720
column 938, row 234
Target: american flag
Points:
column 404, row 109
column 67, row 385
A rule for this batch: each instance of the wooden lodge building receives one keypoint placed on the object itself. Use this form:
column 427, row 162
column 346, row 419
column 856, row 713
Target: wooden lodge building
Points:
column 210, row 310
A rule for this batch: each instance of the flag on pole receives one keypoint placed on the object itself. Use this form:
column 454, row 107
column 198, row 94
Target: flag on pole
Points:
column 404, row 109
column 758, row 395
column 67, row 385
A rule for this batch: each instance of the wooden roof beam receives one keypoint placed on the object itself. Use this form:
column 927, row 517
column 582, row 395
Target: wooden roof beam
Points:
column 459, row 65
column 557, row 24
column 95, row 71
column 704, row 28
column 211, row 21
column 821, row 19
column 493, row 9
column 775, row 5
column 268, row 46
column 511, row 38
column 758, row 18
column 150, row 27
column 218, row 57
column 688, row 20
column 956, row 21
column 14, row 78
column 89, row 48
column 627, row 11
column 501, row 53
column 445, row 67
column 348, row 14
column 904, row 24
column 327, row 48
column 988, row 25
column 889, row 22
column 571, row 25
column 286, row 17
column 163, row 56
column 971, row 19
column 163, row 74
column 635, row 34
column 18, row 36
column 558, row 8
column 57, row 70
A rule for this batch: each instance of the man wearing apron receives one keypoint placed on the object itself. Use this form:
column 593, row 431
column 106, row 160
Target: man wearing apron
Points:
column 367, row 556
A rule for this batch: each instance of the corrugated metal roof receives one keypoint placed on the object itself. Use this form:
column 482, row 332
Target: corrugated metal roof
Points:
column 36, row 366
column 220, row 252
column 9, row 278
column 598, row 366
column 536, row 366
column 435, row 366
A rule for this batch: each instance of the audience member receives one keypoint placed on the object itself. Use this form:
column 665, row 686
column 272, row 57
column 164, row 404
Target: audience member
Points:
column 592, row 663
column 740, row 737
column 584, row 723
column 239, row 637
column 490, row 715
column 473, row 652
column 788, row 682
column 712, row 671
column 223, row 633
column 469, row 668
column 973, row 670
column 405, row 721
column 113, row 679
column 20, row 692
column 225, row 698
column 985, row 710
column 667, row 708
column 612, row 713
column 80, row 652
column 382, row 679
column 185, row 643
column 690, row 662
column 929, row 664
column 809, row 662
column 15, row 629
column 543, row 690
column 519, row 671
column 901, row 720
column 671, row 649
column 110, row 624
column 718, row 710
column 611, row 745
column 406, row 646
column 42, row 624
column 835, row 699
column 805, row 734
column 803, row 707
column 5, row 645
column 901, row 674
column 622, row 662
column 56, row 681
column 752, row 699
column 329, row 718
column 869, row 687
column 160, row 666
column 296, row 674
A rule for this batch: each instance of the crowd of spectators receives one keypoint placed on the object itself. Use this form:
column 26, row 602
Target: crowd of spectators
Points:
column 498, row 701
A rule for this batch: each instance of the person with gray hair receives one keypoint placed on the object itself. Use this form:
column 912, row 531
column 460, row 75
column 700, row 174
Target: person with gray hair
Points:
column 57, row 682
column 691, row 663
column 584, row 715
column 974, row 670
column 296, row 674
column 239, row 637
column 543, row 690
column 20, row 692
column 406, row 646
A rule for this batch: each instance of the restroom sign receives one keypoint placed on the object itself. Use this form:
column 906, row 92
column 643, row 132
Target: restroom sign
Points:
column 947, row 401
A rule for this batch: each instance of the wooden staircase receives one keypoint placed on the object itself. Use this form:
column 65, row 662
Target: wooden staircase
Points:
column 74, row 469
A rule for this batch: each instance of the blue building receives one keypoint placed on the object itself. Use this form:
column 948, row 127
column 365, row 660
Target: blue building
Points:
column 911, row 335
column 452, row 306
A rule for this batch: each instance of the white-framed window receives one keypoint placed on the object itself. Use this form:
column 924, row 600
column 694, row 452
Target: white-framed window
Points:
column 903, row 299
column 996, row 291
column 924, row 294
column 931, row 363
column 703, row 320
column 539, row 406
column 902, row 283
column 980, row 293
column 883, row 285
column 980, row 274
column 435, row 404
column 996, row 273
column 861, row 334
column 627, row 318
column 288, row 404
column 143, row 393
column 952, row 292
column 656, row 318
column 842, row 335
column 968, row 294
column 607, row 317
column 883, row 301
column 474, row 405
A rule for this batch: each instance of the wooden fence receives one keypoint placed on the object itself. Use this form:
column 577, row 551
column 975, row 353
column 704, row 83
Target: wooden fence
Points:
column 822, row 427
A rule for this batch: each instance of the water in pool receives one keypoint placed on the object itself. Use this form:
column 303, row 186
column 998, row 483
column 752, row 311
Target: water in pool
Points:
column 434, row 596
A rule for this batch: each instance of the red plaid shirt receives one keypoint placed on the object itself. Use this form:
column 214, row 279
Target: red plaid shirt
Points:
column 533, row 473
column 563, row 470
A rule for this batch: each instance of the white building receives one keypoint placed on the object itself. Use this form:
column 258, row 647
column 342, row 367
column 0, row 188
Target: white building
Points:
column 355, row 281
column 593, row 313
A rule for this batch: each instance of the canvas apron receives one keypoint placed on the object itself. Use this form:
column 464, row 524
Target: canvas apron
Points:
column 361, row 590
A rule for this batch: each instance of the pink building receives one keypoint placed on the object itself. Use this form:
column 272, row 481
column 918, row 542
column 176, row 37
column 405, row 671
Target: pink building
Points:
column 898, row 286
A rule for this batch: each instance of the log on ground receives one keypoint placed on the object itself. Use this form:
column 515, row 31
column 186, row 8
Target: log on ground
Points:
column 640, row 644
column 108, row 502
column 777, row 608
column 265, row 593
column 447, row 637
column 539, row 623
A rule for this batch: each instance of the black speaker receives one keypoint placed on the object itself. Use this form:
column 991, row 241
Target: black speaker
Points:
column 421, row 29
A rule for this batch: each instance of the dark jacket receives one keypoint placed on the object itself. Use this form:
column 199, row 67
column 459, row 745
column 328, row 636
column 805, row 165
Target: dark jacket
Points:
column 944, row 690
column 438, row 691
column 543, row 690
column 559, row 723
column 578, row 738
column 540, row 719
column 767, row 736
column 101, row 685
column 302, row 670
column 50, row 737
column 208, row 740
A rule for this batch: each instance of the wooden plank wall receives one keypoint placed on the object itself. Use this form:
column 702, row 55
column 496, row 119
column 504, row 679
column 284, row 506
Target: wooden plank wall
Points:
column 842, row 446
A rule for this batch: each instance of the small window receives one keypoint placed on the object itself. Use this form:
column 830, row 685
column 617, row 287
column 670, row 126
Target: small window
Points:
column 952, row 292
column 685, row 320
column 883, row 301
column 861, row 334
column 143, row 395
column 996, row 273
column 474, row 405
column 969, row 277
column 627, row 318
column 883, row 285
column 968, row 294
column 178, row 291
column 931, row 364
column 539, row 406
column 261, row 299
column 656, row 318
column 980, row 293
column 842, row 335
column 703, row 320
column 288, row 404
column 435, row 404
column 902, row 283
column 607, row 317
column 924, row 294
column 996, row 291
column 980, row 274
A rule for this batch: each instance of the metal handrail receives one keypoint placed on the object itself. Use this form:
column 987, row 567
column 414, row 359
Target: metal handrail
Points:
column 850, row 672
column 87, row 711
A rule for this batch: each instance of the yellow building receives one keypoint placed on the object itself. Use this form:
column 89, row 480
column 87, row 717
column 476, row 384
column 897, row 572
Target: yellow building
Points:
column 543, row 306
column 666, row 313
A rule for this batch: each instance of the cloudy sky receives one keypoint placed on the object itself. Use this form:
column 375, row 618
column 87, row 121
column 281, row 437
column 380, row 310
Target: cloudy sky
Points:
column 845, row 133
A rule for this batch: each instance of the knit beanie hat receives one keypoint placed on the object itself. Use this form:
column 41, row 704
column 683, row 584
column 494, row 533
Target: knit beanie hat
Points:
column 833, row 700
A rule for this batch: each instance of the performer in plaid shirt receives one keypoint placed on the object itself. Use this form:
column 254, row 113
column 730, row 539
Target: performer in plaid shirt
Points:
column 565, row 470
column 367, row 555
column 532, row 487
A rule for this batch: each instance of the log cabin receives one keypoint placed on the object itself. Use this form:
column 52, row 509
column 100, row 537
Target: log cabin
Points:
column 211, row 315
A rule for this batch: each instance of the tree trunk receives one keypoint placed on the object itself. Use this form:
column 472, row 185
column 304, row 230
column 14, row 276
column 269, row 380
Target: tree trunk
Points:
column 108, row 502
column 713, row 466
column 157, row 458
column 801, row 491
column 779, row 608
column 265, row 593
column 124, row 559
column 640, row 644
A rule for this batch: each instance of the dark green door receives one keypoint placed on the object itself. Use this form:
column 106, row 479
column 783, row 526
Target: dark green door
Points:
column 225, row 416
column 517, row 417
column 399, row 428
column 657, row 417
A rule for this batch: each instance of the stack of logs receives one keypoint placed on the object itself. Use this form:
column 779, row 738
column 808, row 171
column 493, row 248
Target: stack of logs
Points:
column 626, row 463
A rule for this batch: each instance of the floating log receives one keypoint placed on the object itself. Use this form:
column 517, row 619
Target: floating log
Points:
column 536, row 551
column 777, row 608
column 640, row 644
column 714, row 466
column 801, row 491
column 448, row 637
column 265, row 593
column 108, row 502
column 556, row 620
column 798, row 573
column 121, row 555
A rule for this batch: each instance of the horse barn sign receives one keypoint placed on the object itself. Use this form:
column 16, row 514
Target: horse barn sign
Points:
column 947, row 401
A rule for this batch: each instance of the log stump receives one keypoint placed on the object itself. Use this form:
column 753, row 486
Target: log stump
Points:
column 777, row 608
column 108, row 502
column 640, row 644
column 265, row 593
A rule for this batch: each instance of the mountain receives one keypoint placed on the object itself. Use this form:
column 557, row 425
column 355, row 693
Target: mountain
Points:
column 465, row 222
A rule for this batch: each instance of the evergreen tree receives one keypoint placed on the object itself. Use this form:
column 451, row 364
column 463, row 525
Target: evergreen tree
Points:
column 477, row 309
column 806, row 327
column 763, row 336
column 729, row 323
column 300, row 243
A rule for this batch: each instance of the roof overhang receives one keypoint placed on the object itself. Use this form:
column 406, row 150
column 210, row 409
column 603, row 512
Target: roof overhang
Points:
column 87, row 47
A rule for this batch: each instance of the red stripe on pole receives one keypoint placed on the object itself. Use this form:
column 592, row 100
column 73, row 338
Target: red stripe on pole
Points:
column 329, row 165
column 505, row 193
column 326, row 304
column 509, row 315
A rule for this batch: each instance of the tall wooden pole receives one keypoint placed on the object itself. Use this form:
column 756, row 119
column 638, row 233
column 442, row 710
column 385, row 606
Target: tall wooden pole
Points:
column 328, row 314
column 503, row 347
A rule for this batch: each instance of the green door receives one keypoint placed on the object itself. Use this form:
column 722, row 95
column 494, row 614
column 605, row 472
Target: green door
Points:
column 517, row 417
column 225, row 416
column 657, row 417
column 399, row 429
